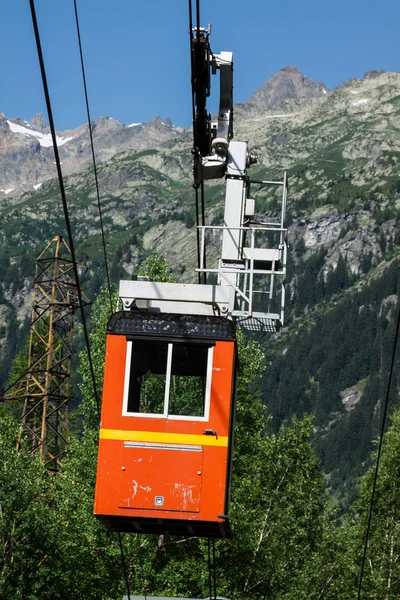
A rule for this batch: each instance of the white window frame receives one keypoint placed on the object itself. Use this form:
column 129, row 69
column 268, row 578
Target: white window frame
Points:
column 164, row 414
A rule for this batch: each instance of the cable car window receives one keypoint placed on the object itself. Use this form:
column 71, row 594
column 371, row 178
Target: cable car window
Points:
column 147, row 377
column 188, row 380
column 165, row 379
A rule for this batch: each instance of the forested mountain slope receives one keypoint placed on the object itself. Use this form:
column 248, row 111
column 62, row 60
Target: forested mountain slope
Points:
column 341, row 150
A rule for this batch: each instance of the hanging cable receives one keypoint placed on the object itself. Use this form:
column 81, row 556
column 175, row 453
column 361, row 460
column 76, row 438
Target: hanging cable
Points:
column 143, row 582
column 93, row 155
column 379, row 454
column 124, row 566
column 209, row 568
column 203, row 222
column 198, row 232
column 200, row 204
column 198, row 18
column 195, row 149
column 212, row 572
column 214, row 569
column 63, row 196
column 125, row 570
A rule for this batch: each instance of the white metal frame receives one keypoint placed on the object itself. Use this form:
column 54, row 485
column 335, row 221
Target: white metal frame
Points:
column 240, row 267
column 234, row 294
column 165, row 415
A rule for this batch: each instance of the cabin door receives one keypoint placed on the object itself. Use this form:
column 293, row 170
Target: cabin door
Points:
column 175, row 481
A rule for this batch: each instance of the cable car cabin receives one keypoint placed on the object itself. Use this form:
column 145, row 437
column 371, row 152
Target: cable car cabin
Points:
column 167, row 424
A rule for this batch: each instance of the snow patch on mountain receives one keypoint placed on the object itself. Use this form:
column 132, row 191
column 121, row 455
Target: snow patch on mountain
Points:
column 361, row 101
column 44, row 139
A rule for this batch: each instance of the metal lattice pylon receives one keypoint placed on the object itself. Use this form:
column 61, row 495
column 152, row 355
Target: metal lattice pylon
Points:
column 45, row 388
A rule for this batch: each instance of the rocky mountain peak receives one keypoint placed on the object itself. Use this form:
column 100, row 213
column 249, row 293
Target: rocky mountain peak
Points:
column 287, row 84
column 373, row 74
column 290, row 69
column 158, row 121
column 106, row 125
column 38, row 122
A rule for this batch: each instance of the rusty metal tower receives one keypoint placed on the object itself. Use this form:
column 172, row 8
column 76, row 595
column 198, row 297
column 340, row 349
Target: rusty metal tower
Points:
column 45, row 387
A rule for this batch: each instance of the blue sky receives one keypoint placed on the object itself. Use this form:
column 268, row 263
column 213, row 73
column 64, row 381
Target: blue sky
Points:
column 137, row 51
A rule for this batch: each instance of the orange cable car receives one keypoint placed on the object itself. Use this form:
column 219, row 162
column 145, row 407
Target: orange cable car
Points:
column 166, row 432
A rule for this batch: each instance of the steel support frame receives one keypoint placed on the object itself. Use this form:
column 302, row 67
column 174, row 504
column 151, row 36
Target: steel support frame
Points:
column 45, row 388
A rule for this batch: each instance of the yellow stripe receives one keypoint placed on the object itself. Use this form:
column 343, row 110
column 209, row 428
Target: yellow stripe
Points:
column 155, row 436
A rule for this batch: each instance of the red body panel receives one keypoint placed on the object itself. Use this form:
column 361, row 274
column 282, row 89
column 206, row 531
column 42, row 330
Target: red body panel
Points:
column 145, row 459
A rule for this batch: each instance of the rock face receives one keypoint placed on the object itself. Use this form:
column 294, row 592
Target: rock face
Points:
column 288, row 84
column 38, row 122
column 26, row 149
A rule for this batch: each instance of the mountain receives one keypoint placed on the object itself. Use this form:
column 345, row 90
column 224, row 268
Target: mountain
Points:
column 341, row 151
column 287, row 84
column 27, row 158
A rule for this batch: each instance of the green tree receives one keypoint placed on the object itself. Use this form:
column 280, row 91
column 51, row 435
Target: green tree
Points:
column 333, row 571
column 156, row 268
column 382, row 571
column 62, row 551
column 277, row 511
column 28, row 540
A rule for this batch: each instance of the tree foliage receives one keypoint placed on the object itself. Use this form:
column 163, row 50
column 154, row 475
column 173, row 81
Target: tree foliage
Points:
column 285, row 546
column 156, row 268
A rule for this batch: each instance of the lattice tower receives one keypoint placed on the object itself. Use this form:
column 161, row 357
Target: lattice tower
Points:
column 45, row 388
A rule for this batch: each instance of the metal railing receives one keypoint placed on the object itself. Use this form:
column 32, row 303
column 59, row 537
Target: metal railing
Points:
column 248, row 267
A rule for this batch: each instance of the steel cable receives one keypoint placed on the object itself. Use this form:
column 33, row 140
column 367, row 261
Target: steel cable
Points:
column 209, row 568
column 195, row 150
column 121, row 548
column 93, row 154
column 200, row 205
column 214, row 569
column 203, row 221
column 63, row 196
column 124, row 567
column 379, row 454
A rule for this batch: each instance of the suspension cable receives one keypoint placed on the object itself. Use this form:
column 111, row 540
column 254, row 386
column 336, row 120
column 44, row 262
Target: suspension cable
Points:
column 209, row 568
column 93, row 154
column 203, row 222
column 388, row 389
column 63, row 196
column 212, row 572
column 200, row 205
column 123, row 561
column 195, row 149
column 142, row 576
column 121, row 548
column 198, row 18
column 214, row 569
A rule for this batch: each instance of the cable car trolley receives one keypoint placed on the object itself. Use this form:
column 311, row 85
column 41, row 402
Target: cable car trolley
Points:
column 166, row 434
